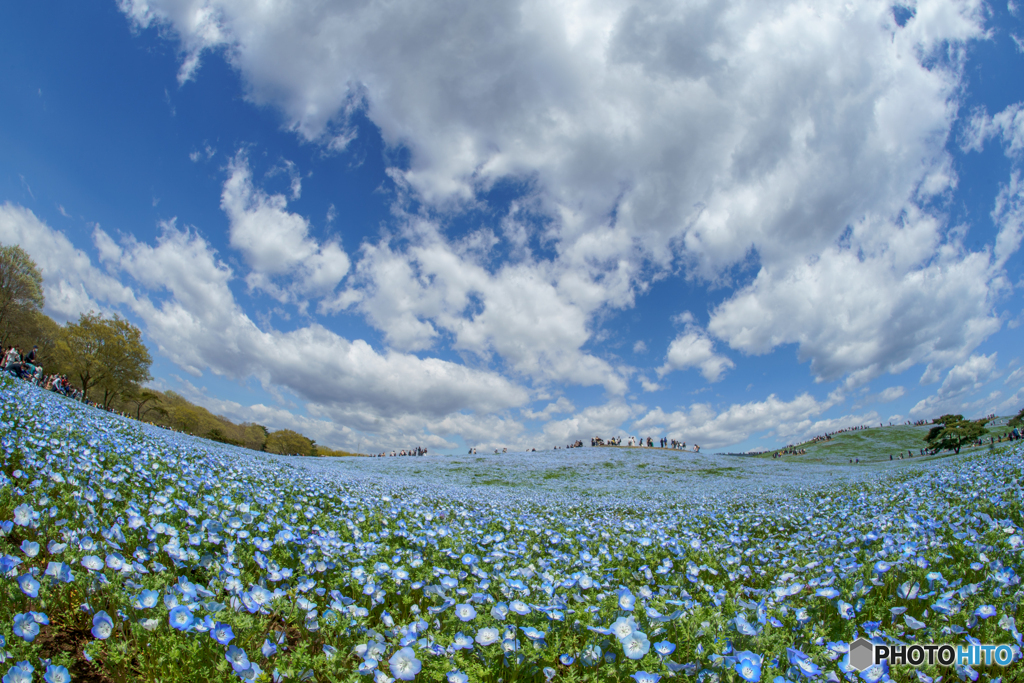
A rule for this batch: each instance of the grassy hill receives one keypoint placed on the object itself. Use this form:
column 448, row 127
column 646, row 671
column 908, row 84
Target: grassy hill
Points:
column 876, row 444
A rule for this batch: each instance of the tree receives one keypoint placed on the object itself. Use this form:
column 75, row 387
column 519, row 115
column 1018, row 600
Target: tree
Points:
column 1018, row 420
column 105, row 353
column 139, row 397
column 21, row 290
column 953, row 431
column 287, row 442
column 254, row 436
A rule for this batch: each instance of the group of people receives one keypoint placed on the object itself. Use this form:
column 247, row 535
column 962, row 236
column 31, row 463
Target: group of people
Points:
column 22, row 365
column 26, row 366
column 413, row 452
column 827, row 436
column 640, row 442
column 789, row 450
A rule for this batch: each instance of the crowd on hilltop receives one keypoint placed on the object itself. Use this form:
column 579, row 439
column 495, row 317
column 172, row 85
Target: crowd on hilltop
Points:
column 827, row 436
column 639, row 442
column 412, row 452
column 25, row 366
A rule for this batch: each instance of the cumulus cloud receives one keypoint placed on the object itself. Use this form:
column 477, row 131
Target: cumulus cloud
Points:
column 72, row 285
column 276, row 242
column 529, row 315
column 1007, row 125
column 891, row 394
column 693, row 349
column 604, row 421
column 870, row 305
column 702, row 424
column 195, row 322
column 961, row 382
column 652, row 136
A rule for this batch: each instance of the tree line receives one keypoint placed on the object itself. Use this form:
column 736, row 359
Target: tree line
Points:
column 106, row 359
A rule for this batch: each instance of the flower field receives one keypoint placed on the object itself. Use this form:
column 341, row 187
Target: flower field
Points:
column 132, row 553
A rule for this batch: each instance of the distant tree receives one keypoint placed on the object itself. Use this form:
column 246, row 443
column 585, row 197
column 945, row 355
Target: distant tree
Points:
column 217, row 434
column 21, row 290
column 144, row 400
column 951, row 432
column 287, row 442
column 105, row 354
column 254, row 436
column 1018, row 420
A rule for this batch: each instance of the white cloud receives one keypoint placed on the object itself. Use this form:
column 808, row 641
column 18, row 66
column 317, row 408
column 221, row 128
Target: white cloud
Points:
column 891, row 394
column 870, row 305
column 562, row 405
column 1007, row 125
column 693, row 349
column 604, row 421
column 640, row 346
column 711, row 132
column 276, row 242
column 1008, row 214
column 532, row 315
column 71, row 284
column 701, row 424
column 961, row 383
column 199, row 326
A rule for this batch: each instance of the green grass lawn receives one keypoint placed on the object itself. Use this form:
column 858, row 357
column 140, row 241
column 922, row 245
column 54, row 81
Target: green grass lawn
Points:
column 876, row 444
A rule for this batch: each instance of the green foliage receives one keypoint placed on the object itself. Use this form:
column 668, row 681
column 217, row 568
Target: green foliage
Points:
column 21, row 291
column 1018, row 420
column 105, row 354
column 287, row 442
column 951, row 432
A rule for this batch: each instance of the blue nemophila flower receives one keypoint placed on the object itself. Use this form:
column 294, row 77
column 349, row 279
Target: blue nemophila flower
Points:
column 882, row 567
column 28, row 585
column 25, row 627
column 749, row 669
column 59, row 571
column 181, row 618
column 635, row 645
column 519, row 607
column 566, row 659
column 92, row 563
column 465, row 612
column 404, row 665
column 623, row 627
column 845, row 610
column 222, row 633
column 462, row 642
column 269, row 649
column 627, row 601
column 23, row 515
column 828, row 592
column 664, row 648
column 913, row 623
column 102, row 625
column 19, row 673
column 148, row 599
column 237, row 658
column 875, row 673
column 985, row 611
column 56, row 674
column 457, row 677
column 645, row 677
column 330, row 651
column 487, row 636
column 30, row 548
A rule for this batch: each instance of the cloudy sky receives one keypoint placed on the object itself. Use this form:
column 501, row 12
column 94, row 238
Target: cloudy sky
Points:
column 515, row 223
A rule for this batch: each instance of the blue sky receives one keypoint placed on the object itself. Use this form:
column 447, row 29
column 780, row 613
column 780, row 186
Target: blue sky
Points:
column 516, row 224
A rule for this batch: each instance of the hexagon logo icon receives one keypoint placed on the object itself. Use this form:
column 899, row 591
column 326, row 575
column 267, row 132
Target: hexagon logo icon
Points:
column 862, row 654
